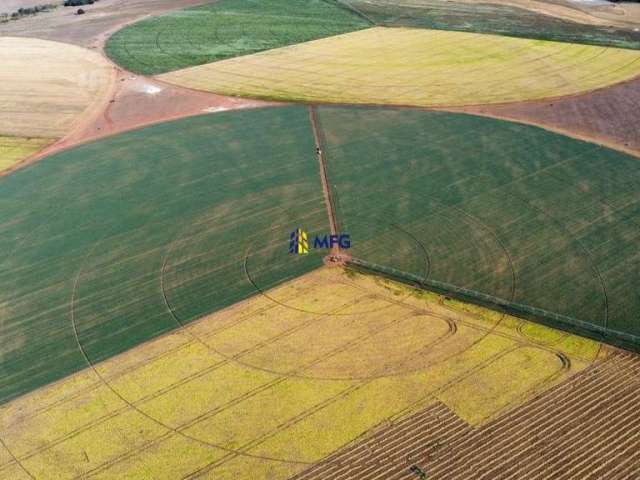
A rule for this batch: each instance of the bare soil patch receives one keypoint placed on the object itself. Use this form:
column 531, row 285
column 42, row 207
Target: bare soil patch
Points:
column 607, row 116
column 140, row 101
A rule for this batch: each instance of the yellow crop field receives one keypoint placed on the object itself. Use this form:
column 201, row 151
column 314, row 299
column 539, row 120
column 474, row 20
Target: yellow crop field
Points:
column 274, row 384
column 16, row 149
column 47, row 86
column 402, row 66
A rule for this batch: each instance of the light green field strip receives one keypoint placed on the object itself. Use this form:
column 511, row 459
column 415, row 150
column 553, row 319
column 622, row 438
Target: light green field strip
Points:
column 16, row 149
column 415, row 67
column 263, row 389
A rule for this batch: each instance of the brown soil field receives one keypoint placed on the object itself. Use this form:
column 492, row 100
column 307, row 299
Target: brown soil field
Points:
column 608, row 116
column 585, row 428
column 103, row 17
column 625, row 15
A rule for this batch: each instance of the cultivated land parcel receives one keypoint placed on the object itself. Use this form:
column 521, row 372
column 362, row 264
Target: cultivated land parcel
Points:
column 45, row 106
column 514, row 212
column 171, row 229
column 118, row 241
column 225, row 29
column 389, row 66
column 266, row 388
column 154, row 325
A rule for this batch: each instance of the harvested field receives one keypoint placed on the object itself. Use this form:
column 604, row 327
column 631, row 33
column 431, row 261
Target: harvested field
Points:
column 527, row 19
column 388, row 66
column 587, row 428
column 496, row 212
column 16, row 149
column 118, row 241
column 608, row 116
column 225, row 29
column 268, row 387
column 89, row 30
column 71, row 81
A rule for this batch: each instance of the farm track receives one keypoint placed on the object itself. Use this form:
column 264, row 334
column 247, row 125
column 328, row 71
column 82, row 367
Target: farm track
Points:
column 326, row 187
column 557, row 435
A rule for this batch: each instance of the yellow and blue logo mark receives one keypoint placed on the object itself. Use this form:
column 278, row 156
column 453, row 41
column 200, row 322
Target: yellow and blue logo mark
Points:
column 299, row 242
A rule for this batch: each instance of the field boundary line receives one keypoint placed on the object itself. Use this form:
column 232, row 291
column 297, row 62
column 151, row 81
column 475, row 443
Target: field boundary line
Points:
column 354, row 10
column 326, row 187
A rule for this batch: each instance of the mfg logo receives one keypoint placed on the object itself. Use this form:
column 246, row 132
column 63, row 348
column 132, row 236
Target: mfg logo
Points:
column 299, row 241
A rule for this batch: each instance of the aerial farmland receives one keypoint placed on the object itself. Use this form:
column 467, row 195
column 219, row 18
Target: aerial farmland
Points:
column 319, row 239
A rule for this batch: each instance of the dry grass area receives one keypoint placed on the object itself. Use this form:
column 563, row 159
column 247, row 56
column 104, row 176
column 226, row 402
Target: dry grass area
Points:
column 69, row 82
column 15, row 149
column 268, row 387
column 415, row 67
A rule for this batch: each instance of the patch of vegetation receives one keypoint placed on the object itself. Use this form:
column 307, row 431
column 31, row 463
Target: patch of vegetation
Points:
column 528, row 221
column 78, row 3
column 351, row 273
column 132, row 236
column 27, row 11
column 226, row 29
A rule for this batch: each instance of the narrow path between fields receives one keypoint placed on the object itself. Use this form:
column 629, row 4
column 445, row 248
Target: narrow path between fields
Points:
column 326, row 188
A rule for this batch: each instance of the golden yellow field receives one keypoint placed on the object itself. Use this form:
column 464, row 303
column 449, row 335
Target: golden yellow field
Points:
column 418, row 67
column 45, row 87
column 265, row 388
column 16, row 149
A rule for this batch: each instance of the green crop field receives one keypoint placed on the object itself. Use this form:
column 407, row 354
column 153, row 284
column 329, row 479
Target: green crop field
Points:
column 129, row 237
column 517, row 215
column 490, row 18
column 225, row 29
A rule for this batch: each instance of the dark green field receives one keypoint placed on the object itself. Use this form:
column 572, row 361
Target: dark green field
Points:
column 132, row 236
column 225, row 29
column 519, row 216
column 491, row 18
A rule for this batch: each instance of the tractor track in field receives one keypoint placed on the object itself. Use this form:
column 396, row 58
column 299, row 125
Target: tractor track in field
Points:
column 555, row 435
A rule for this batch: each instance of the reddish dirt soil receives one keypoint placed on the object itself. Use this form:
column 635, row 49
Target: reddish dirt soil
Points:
column 140, row 101
column 586, row 428
column 608, row 116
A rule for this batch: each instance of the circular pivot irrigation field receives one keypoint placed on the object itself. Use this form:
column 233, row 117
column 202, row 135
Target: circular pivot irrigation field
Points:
column 155, row 323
